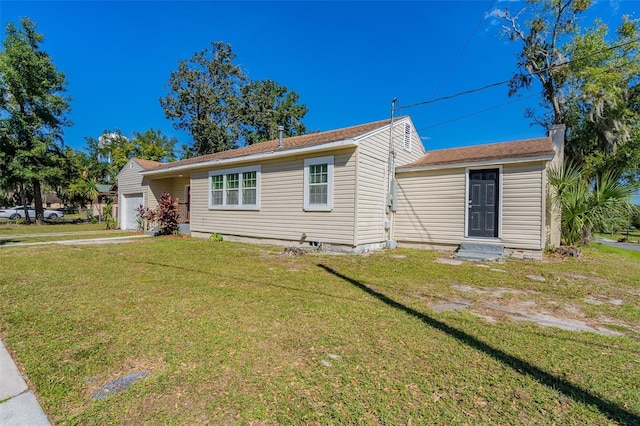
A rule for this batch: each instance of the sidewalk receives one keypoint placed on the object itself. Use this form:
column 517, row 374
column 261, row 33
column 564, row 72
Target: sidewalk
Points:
column 18, row 404
column 102, row 240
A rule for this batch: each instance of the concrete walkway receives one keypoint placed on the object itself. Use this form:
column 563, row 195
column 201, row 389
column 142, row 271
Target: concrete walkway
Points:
column 18, row 404
column 105, row 240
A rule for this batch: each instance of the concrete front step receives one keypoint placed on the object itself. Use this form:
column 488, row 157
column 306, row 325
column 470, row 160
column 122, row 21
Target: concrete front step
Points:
column 480, row 251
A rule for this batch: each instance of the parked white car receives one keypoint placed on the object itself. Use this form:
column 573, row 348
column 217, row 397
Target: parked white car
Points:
column 18, row 212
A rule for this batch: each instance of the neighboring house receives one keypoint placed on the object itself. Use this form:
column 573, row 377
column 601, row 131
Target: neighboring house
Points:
column 52, row 201
column 333, row 189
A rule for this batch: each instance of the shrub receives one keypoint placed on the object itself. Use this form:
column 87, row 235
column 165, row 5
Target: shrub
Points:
column 144, row 217
column 109, row 220
column 215, row 237
column 167, row 215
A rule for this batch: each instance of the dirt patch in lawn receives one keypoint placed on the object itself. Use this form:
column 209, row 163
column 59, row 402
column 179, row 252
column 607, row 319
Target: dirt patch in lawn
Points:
column 493, row 304
column 101, row 386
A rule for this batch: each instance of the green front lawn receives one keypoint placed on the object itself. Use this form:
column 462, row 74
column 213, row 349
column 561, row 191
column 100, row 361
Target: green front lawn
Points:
column 233, row 333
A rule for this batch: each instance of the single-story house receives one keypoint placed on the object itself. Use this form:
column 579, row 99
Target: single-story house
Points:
column 359, row 188
column 52, row 201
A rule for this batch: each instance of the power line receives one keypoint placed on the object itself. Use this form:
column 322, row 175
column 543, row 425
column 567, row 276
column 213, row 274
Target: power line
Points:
column 464, row 49
column 500, row 83
column 462, row 117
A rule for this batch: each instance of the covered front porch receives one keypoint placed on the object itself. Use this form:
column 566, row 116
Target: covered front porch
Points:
column 179, row 187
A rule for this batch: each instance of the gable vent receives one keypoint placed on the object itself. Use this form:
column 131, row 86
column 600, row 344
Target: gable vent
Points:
column 407, row 136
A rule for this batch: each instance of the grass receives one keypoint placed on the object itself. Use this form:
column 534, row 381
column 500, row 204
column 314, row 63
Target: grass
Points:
column 234, row 333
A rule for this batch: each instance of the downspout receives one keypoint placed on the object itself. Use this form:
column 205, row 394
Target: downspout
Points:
column 391, row 192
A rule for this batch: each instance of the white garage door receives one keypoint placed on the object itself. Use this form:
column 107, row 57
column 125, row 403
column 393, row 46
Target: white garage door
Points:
column 130, row 202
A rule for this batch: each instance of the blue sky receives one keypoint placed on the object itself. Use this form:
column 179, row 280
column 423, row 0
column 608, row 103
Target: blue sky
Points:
column 347, row 60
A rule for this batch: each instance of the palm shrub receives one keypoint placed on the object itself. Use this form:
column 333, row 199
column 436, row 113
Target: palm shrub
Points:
column 588, row 202
column 109, row 220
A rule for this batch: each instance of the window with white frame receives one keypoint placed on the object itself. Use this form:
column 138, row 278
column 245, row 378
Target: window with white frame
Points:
column 318, row 184
column 237, row 189
column 407, row 136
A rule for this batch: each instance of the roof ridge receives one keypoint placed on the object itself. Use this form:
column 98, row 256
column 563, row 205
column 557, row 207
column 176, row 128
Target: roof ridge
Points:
column 289, row 143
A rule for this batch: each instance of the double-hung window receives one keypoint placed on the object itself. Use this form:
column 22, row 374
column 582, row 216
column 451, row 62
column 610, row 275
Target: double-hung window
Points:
column 318, row 184
column 237, row 189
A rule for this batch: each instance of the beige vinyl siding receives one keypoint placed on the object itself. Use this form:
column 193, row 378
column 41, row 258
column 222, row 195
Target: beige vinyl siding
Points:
column 373, row 159
column 403, row 156
column 173, row 185
column 431, row 207
column 522, row 205
column 130, row 180
column 373, row 183
column 281, row 215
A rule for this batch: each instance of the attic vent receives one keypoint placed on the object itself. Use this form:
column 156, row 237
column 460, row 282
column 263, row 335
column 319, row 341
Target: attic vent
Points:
column 407, row 136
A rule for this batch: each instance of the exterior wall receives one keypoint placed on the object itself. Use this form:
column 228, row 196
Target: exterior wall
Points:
column 372, row 179
column 172, row 185
column 130, row 181
column 281, row 216
column 553, row 215
column 403, row 156
column 432, row 207
column 523, row 194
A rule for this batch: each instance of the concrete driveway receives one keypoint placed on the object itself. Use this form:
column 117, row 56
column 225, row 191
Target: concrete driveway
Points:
column 628, row 246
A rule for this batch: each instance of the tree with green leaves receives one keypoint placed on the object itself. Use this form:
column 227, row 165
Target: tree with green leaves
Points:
column 112, row 150
column 211, row 98
column 32, row 112
column 202, row 99
column 588, row 80
column 602, row 100
column 265, row 105
column 154, row 145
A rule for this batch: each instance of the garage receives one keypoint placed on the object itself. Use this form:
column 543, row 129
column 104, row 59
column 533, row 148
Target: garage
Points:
column 130, row 202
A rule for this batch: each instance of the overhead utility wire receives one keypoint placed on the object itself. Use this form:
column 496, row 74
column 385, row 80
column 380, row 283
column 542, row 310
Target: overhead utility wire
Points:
column 462, row 117
column 464, row 48
column 500, row 83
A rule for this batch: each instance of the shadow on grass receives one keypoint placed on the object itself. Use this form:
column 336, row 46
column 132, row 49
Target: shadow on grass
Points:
column 242, row 278
column 607, row 408
column 9, row 242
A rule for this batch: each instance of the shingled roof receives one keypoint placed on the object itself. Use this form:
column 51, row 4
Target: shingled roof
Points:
column 529, row 148
column 288, row 144
column 147, row 164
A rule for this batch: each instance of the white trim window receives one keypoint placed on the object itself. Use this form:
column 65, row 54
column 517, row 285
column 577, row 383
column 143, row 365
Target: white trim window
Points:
column 235, row 189
column 318, row 184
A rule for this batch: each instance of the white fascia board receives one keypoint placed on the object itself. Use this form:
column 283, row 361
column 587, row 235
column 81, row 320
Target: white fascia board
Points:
column 345, row 143
column 476, row 164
